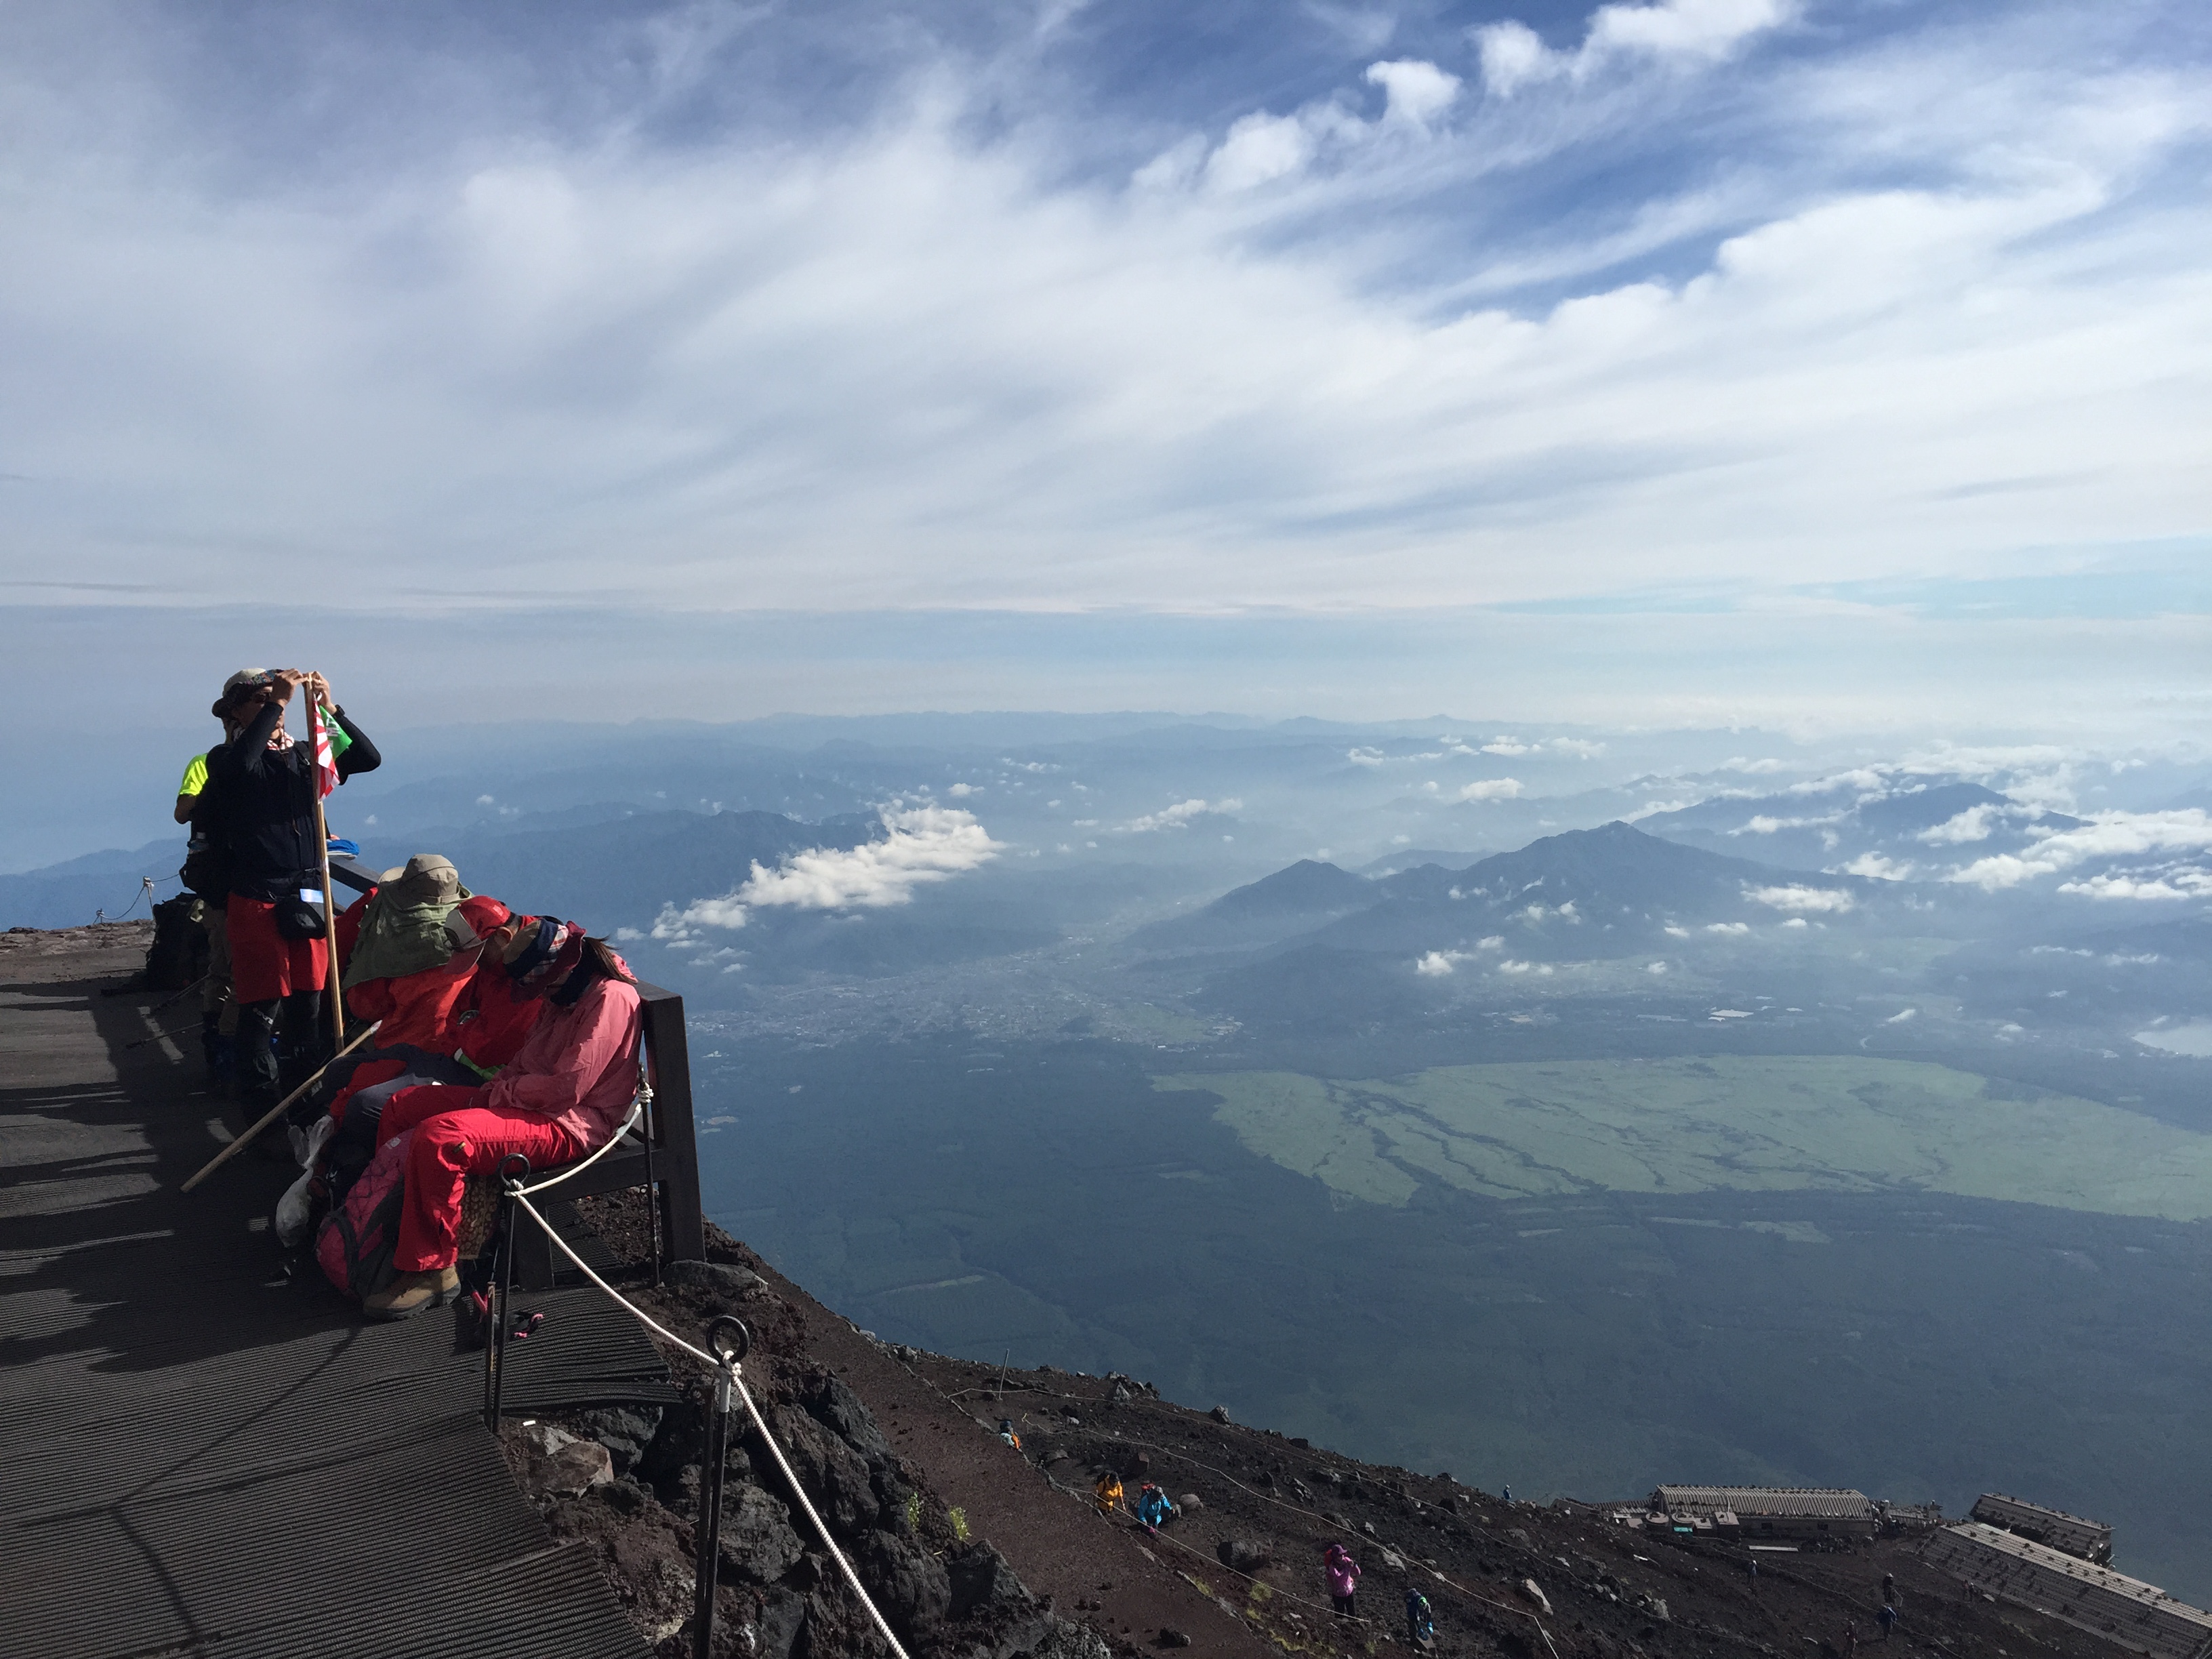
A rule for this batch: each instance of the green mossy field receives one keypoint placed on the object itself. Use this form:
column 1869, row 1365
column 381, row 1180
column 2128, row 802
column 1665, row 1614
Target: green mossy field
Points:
column 1744, row 1123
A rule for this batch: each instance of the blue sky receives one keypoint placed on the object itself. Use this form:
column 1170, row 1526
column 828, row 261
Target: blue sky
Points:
column 1836, row 321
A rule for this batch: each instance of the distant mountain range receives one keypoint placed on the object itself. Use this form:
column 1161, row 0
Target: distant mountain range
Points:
column 1599, row 892
column 1877, row 823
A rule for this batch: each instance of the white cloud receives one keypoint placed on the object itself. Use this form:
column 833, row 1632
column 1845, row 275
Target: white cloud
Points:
column 1901, row 1018
column 2106, row 835
column 1971, row 825
column 1730, row 927
column 921, row 845
column 1676, row 931
column 1677, row 31
column 1513, row 54
column 501, row 362
column 1655, row 968
column 2181, row 884
column 1179, row 816
column 1490, row 789
column 1438, row 964
column 1365, row 756
column 1797, row 897
column 1259, row 149
column 1417, row 92
column 1877, row 866
column 962, row 791
column 1796, row 921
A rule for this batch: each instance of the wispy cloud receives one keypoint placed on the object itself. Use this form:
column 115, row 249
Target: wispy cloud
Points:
column 1800, row 899
column 586, row 324
column 921, row 845
column 2169, row 845
column 1178, row 817
column 1671, row 31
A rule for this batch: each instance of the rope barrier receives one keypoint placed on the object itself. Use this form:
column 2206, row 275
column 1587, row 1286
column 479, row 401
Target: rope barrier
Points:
column 636, row 1110
column 734, row 1372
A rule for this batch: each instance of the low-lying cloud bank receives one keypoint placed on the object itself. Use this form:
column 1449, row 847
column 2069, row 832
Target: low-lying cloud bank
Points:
column 920, row 844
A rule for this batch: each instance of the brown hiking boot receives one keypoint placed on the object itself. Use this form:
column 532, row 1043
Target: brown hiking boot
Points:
column 411, row 1293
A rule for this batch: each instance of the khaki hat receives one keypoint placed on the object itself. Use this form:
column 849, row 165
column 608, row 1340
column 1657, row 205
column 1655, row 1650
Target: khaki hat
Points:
column 244, row 677
column 428, row 877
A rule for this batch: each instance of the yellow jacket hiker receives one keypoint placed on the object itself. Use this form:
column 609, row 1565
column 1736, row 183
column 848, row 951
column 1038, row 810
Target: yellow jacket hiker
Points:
column 1108, row 1491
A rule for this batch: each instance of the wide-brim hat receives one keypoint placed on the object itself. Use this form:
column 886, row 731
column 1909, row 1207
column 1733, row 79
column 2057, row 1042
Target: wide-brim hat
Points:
column 426, row 878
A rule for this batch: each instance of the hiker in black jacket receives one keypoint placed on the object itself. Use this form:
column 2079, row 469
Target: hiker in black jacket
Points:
column 264, row 783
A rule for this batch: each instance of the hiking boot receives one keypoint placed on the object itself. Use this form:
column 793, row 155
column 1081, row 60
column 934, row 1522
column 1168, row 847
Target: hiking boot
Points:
column 411, row 1293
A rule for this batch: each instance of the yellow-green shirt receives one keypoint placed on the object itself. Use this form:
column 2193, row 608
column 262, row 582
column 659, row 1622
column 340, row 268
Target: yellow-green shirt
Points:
column 195, row 776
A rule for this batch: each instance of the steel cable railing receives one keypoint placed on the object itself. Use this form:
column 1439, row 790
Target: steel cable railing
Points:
column 725, row 1362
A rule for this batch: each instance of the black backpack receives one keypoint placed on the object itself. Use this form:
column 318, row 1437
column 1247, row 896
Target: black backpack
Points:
column 179, row 954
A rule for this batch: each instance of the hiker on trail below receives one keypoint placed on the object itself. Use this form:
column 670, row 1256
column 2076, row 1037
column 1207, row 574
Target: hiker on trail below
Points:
column 1850, row 1640
column 1153, row 1508
column 1341, row 1574
column 565, row 1094
column 1420, row 1621
column 264, row 789
column 1006, row 1433
column 1107, row 1493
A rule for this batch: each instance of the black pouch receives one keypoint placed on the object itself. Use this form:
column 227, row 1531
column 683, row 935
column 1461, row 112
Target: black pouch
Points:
column 298, row 917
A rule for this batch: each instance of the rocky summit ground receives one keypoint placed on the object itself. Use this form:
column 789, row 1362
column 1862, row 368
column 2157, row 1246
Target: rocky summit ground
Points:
column 977, row 1549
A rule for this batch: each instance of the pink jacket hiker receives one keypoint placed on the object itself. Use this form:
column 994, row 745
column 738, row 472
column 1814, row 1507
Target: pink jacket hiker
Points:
column 578, row 1065
column 1341, row 1572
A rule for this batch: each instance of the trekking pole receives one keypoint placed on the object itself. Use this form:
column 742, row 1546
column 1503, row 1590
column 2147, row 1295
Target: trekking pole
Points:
column 141, row 1043
column 272, row 1116
column 513, row 1170
column 727, row 1336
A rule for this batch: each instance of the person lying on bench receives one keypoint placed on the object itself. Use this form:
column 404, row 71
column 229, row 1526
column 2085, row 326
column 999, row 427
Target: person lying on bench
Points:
column 565, row 1092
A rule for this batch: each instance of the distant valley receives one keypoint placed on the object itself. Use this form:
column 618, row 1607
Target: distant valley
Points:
column 1568, row 1109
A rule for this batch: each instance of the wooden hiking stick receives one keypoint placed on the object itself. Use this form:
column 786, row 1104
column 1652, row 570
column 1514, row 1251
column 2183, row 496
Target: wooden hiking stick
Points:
column 274, row 1112
column 320, row 737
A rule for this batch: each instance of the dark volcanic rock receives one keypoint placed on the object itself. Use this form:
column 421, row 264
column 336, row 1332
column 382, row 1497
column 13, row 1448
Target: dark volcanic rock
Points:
column 910, row 1586
column 980, row 1577
column 1243, row 1554
column 758, row 1542
column 776, row 1629
column 713, row 1276
column 624, row 1430
column 830, row 1473
column 838, row 1409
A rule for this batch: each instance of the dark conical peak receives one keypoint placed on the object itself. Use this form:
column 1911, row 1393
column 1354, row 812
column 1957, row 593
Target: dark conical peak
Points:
column 1305, row 887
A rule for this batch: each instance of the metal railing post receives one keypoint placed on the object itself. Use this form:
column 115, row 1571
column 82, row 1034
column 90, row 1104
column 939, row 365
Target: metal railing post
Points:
column 647, row 1124
column 513, row 1170
column 729, row 1339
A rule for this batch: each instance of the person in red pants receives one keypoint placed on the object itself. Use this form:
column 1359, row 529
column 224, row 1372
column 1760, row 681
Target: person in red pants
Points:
column 565, row 1092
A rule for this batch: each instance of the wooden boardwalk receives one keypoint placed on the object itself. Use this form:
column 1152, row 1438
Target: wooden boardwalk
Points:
column 205, row 1456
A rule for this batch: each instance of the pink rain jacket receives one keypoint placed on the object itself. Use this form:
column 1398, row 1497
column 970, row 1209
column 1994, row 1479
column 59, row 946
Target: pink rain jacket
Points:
column 578, row 1065
column 1341, row 1572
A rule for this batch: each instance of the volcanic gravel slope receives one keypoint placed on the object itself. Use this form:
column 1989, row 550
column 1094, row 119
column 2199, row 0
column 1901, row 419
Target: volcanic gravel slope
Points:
column 1605, row 1592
